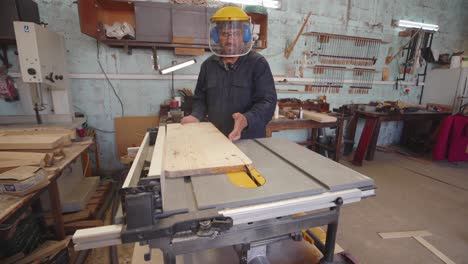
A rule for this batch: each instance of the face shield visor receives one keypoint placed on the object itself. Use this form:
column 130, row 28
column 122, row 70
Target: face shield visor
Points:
column 231, row 38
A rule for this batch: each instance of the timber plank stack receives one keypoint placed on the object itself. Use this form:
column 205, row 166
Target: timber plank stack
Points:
column 32, row 147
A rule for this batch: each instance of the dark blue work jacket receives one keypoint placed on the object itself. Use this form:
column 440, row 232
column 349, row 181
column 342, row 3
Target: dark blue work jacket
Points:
column 246, row 87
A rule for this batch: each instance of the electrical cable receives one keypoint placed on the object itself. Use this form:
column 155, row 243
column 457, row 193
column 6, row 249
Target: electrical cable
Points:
column 107, row 78
column 87, row 125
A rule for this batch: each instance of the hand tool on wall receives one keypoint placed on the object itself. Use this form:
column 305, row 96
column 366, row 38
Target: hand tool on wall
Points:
column 389, row 59
column 289, row 50
column 342, row 49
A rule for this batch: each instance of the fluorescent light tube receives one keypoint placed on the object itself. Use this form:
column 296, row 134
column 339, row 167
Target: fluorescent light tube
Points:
column 411, row 24
column 265, row 3
column 178, row 66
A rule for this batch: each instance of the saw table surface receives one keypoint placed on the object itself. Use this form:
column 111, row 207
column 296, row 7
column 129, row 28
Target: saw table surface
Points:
column 290, row 171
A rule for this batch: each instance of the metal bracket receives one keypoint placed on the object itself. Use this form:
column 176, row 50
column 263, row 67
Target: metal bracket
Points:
column 201, row 223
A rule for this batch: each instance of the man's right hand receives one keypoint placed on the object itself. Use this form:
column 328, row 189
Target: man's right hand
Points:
column 189, row 119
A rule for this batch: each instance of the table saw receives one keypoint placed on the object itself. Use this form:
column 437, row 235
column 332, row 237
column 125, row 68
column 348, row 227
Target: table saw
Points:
column 188, row 214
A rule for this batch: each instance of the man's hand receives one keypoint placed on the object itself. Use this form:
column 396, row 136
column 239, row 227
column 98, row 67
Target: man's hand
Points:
column 240, row 122
column 189, row 119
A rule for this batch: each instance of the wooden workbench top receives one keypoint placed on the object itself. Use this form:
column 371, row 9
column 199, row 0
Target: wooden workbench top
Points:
column 9, row 203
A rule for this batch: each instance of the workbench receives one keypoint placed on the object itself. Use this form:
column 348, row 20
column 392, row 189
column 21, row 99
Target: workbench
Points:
column 12, row 207
column 283, row 123
column 373, row 120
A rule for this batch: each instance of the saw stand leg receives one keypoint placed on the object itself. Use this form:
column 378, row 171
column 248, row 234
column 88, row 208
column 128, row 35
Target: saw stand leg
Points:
column 332, row 229
column 169, row 258
column 253, row 255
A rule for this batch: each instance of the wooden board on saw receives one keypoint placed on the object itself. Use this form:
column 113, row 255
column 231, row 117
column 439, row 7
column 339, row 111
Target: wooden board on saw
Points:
column 130, row 131
column 200, row 149
column 39, row 141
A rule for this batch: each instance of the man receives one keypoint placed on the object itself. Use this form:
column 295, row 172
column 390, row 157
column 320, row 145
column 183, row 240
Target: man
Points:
column 235, row 87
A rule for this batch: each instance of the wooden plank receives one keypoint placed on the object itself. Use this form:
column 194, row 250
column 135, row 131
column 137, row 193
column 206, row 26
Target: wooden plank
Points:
column 189, row 51
column 97, row 244
column 9, row 204
column 130, row 130
column 390, row 235
column 157, row 160
column 434, row 250
column 13, row 155
column 68, row 218
column 318, row 117
column 48, row 248
column 183, row 40
column 26, row 129
column 11, row 164
column 200, row 148
column 81, row 215
column 33, row 141
column 11, row 159
column 97, row 233
column 134, row 173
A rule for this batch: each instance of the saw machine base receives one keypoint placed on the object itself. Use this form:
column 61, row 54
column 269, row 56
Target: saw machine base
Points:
column 194, row 213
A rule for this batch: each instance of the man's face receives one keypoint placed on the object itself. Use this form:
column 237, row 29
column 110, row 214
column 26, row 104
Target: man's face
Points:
column 231, row 41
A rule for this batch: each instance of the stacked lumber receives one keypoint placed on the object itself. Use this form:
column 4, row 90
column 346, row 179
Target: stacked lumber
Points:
column 43, row 129
column 34, row 141
column 28, row 147
column 88, row 217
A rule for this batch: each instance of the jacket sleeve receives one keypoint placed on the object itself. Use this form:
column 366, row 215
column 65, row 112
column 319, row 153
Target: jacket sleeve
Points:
column 264, row 96
column 199, row 98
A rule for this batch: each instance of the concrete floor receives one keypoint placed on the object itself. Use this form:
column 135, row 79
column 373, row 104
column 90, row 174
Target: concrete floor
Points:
column 412, row 194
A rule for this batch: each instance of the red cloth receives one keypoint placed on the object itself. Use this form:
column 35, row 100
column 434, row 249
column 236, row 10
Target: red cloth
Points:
column 452, row 140
column 459, row 139
column 439, row 152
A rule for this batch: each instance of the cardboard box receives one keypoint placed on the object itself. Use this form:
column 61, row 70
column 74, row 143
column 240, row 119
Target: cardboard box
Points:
column 23, row 180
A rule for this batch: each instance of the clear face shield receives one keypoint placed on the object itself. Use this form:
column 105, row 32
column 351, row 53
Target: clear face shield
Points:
column 231, row 38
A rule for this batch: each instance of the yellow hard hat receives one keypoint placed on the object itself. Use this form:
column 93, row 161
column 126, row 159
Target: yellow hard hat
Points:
column 230, row 13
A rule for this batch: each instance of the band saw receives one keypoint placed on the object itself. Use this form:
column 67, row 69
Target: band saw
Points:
column 288, row 189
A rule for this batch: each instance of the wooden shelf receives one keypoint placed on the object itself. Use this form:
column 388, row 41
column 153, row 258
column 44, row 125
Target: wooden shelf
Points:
column 130, row 43
column 145, row 44
column 94, row 13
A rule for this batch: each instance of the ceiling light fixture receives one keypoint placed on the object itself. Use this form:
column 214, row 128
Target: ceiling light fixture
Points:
column 265, row 3
column 177, row 66
column 411, row 24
